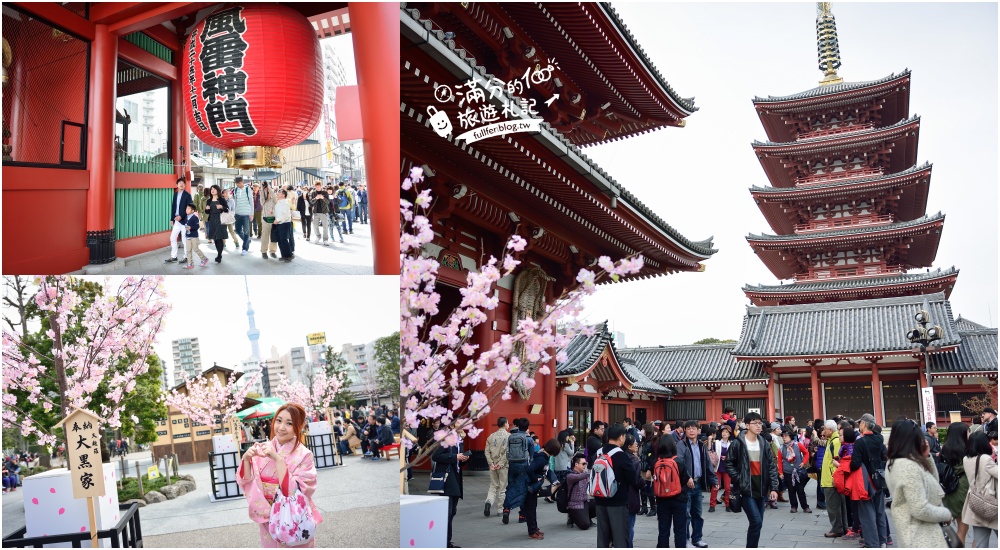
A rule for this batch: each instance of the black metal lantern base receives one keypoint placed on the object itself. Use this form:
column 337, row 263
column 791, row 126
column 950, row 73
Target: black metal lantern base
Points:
column 102, row 246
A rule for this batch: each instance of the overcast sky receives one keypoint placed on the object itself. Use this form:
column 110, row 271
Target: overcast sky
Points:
column 697, row 178
column 353, row 310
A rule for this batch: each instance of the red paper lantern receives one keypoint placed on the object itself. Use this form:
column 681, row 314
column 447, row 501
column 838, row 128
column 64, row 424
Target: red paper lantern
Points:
column 253, row 82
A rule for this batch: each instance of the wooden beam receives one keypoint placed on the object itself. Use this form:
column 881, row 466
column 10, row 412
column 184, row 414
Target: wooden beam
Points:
column 145, row 60
column 155, row 14
column 59, row 16
column 164, row 36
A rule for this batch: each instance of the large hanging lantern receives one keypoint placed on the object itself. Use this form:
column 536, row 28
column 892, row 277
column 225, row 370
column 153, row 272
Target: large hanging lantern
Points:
column 253, row 82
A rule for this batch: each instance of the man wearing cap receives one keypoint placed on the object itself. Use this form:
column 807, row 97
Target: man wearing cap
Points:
column 990, row 422
column 868, row 453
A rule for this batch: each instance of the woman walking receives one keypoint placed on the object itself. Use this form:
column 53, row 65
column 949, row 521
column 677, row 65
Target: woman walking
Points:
column 721, row 450
column 982, row 474
column 280, row 464
column 952, row 453
column 917, row 509
column 283, row 225
column 792, row 472
column 215, row 206
column 231, row 202
column 267, row 202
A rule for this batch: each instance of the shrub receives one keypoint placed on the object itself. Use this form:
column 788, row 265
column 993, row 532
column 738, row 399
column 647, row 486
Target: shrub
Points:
column 130, row 487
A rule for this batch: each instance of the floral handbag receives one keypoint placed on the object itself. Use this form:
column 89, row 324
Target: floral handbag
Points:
column 292, row 522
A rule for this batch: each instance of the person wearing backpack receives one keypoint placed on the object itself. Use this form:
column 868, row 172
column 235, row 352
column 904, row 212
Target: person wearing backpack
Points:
column 694, row 454
column 982, row 474
column 754, row 470
column 345, row 203
column 610, row 477
column 519, row 447
column 952, row 454
column 669, row 478
column 535, row 474
column 868, row 454
column 579, row 506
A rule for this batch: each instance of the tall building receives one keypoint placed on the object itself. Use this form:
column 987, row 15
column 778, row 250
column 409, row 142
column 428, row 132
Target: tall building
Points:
column 187, row 358
column 334, row 75
column 253, row 334
column 165, row 383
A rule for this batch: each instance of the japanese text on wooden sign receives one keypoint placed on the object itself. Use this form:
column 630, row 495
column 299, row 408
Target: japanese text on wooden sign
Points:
column 83, row 449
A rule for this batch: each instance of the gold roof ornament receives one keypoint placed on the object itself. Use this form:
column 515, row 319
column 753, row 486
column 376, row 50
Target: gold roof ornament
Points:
column 827, row 47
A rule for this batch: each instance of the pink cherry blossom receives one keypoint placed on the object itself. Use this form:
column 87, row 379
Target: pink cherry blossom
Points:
column 209, row 400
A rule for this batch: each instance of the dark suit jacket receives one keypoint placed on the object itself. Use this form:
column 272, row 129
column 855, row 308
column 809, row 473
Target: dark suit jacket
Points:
column 708, row 477
column 446, row 460
column 185, row 200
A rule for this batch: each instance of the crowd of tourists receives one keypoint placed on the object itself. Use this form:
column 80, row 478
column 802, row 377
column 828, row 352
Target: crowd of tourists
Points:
column 935, row 492
column 264, row 211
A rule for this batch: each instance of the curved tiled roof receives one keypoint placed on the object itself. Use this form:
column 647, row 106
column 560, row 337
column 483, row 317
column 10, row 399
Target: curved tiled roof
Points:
column 685, row 102
column 583, row 351
column 640, row 380
column 693, row 363
column 830, row 89
column 964, row 325
column 848, row 232
column 848, row 284
column 978, row 353
column 835, row 137
column 860, row 326
column 841, row 183
column 702, row 247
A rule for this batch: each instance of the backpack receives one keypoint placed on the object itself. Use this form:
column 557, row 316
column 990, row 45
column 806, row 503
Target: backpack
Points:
column 343, row 200
column 602, row 476
column 666, row 478
column 947, row 477
column 562, row 498
column 517, row 447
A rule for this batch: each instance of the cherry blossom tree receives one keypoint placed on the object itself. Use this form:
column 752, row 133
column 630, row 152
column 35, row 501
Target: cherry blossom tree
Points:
column 315, row 399
column 208, row 398
column 103, row 345
column 439, row 363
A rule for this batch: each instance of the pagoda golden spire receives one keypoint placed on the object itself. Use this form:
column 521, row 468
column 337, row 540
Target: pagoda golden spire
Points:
column 827, row 47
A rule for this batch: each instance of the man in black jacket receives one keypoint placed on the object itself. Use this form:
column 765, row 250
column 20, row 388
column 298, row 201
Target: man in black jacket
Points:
column 178, row 218
column 990, row 422
column 385, row 438
column 594, row 442
column 868, row 453
column 448, row 460
column 612, row 512
column 694, row 454
column 932, row 439
column 754, row 470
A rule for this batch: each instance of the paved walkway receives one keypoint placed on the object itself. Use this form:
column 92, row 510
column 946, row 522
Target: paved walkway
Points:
column 359, row 502
column 352, row 257
column 722, row 529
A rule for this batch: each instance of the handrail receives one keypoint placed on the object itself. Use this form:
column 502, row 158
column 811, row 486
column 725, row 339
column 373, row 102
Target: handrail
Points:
column 127, row 533
column 841, row 223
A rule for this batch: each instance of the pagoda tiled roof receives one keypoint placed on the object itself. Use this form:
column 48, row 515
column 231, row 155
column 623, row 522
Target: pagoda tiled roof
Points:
column 841, row 328
column 590, row 169
column 693, row 363
column 838, row 184
column 977, row 353
column 965, row 325
column 584, row 351
column 686, row 102
column 848, row 232
column 850, row 284
column 831, row 89
column 837, row 137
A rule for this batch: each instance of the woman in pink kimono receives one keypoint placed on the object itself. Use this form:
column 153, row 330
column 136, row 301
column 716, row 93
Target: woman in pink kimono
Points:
column 279, row 464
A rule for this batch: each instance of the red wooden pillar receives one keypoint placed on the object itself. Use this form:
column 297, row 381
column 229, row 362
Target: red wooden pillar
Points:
column 101, row 146
column 549, row 401
column 816, row 394
column 180, row 143
column 877, row 394
column 769, row 414
column 375, row 33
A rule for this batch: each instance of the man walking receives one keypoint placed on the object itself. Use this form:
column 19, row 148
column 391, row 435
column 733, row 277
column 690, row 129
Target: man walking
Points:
column 345, row 203
column 836, row 507
column 612, row 511
column 754, row 469
column 178, row 216
column 519, row 446
column 320, row 202
column 244, row 210
column 258, row 207
column 363, row 202
column 702, row 478
column 496, row 456
column 868, row 454
column 932, row 439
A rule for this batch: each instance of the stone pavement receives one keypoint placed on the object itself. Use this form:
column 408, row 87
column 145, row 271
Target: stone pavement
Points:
column 782, row 529
column 359, row 490
column 352, row 257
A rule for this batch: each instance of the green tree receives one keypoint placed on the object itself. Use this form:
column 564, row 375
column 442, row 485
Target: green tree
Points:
column 253, row 395
column 336, row 368
column 387, row 358
column 714, row 341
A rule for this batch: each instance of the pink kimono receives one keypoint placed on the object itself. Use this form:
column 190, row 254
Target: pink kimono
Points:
column 263, row 484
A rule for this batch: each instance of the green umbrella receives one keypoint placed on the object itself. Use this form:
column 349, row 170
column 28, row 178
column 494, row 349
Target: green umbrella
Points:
column 265, row 409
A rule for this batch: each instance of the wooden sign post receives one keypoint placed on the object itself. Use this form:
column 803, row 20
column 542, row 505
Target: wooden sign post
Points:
column 83, row 454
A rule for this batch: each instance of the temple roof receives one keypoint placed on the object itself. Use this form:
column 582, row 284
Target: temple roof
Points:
column 965, row 325
column 639, row 379
column 838, row 185
column 821, row 91
column 847, row 284
column 583, row 352
column 694, row 363
column 840, row 328
column 848, row 232
column 819, row 141
column 978, row 353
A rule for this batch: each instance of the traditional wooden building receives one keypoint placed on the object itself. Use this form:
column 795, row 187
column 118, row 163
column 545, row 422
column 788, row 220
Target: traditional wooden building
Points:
column 64, row 65
column 847, row 204
column 537, row 184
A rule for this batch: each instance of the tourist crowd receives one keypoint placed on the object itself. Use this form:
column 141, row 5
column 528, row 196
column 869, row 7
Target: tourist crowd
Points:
column 935, row 491
column 264, row 211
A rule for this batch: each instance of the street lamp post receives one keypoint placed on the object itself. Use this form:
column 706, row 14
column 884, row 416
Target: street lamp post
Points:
column 924, row 336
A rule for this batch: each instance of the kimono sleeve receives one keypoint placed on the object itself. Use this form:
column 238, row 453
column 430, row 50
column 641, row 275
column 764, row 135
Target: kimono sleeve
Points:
column 302, row 473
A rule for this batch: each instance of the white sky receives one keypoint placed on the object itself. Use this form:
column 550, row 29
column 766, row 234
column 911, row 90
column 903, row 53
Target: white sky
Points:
column 697, row 178
column 353, row 310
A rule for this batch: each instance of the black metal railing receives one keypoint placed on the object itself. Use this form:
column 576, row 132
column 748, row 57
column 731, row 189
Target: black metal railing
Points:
column 127, row 533
column 324, row 450
column 224, row 476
